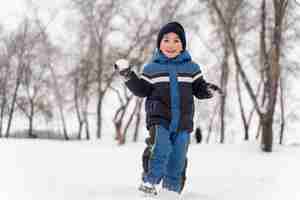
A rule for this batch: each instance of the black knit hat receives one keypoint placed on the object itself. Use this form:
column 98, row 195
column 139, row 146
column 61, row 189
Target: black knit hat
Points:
column 172, row 27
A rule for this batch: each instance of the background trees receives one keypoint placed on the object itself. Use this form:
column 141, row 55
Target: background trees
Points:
column 249, row 45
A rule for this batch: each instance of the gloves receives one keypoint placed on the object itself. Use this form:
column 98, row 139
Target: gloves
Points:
column 123, row 67
column 208, row 90
column 207, row 94
column 212, row 87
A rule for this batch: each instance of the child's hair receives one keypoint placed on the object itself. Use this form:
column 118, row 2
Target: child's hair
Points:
column 173, row 27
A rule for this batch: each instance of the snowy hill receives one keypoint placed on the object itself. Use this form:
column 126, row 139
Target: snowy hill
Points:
column 55, row 170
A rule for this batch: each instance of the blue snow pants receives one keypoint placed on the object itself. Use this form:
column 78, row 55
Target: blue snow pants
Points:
column 168, row 158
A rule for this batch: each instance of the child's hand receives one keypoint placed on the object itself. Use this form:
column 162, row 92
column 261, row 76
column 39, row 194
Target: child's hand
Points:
column 123, row 67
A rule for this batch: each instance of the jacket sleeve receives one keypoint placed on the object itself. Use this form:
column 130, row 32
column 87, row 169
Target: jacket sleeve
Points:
column 200, row 86
column 141, row 87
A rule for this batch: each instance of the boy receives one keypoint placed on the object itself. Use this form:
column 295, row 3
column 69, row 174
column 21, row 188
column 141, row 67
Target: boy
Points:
column 169, row 83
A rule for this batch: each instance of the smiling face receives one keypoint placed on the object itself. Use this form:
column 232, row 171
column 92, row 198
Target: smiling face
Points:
column 171, row 45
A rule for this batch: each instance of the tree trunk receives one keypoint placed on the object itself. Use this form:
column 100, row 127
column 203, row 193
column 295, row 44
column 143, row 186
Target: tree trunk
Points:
column 273, row 75
column 30, row 130
column 77, row 109
column 65, row 132
column 99, row 65
column 125, row 131
column 3, row 105
column 58, row 97
column 138, row 120
column 80, row 127
column 224, row 81
column 99, row 116
column 282, row 125
column 4, row 87
column 241, row 106
column 87, row 130
column 12, row 107
column 267, row 133
column 31, row 117
column 211, row 121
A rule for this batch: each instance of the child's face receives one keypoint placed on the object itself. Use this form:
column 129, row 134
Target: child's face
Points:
column 171, row 45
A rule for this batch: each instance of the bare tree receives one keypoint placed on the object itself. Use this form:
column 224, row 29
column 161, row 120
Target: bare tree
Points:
column 57, row 86
column 33, row 99
column 232, row 13
column 96, row 21
column 272, row 71
column 82, row 91
column 6, row 52
column 3, row 94
column 25, row 53
column 229, row 11
column 19, row 43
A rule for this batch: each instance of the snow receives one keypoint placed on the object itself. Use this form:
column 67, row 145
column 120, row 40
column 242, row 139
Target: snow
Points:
column 89, row 170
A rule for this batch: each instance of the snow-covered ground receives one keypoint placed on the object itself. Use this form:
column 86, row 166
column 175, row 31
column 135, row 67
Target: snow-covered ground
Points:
column 56, row 170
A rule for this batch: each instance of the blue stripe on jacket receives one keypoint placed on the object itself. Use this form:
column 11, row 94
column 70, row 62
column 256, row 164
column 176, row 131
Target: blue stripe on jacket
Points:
column 175, row 100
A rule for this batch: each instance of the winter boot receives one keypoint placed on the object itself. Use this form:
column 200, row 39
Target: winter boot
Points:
column 148, row 189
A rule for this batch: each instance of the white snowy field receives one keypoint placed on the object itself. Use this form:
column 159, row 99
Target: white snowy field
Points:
column 55, row 170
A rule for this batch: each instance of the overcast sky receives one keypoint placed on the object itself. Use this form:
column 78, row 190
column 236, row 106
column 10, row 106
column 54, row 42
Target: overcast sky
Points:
column 12, row 11
column 54, row 11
